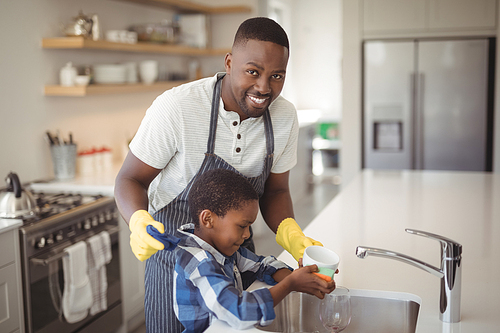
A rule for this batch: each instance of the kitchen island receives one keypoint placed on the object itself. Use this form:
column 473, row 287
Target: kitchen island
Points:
column 374, row 210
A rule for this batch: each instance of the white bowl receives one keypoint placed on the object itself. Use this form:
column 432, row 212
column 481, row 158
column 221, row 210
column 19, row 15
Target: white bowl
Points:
column 148, row 64
column 149, row 79
column 326, row 260
column 110, row 73
column 82, row 80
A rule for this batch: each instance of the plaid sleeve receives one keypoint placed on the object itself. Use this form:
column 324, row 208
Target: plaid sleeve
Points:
column 240, row 311
column 254, row 267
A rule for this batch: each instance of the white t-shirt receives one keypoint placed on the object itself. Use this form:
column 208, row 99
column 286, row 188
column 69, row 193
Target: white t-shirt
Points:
column 174, row 133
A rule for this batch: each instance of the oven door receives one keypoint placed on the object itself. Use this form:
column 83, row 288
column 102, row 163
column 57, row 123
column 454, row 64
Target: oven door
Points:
column 46, row 285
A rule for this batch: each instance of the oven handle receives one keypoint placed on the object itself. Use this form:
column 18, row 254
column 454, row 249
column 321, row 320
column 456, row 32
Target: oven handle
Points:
column 46, row 261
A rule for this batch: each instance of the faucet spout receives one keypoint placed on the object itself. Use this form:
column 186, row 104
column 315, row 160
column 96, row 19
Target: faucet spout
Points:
column 450, row 272
column 363, row 252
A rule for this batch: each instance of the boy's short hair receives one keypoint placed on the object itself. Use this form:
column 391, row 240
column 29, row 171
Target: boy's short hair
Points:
column 219, row 191
column 263, row 29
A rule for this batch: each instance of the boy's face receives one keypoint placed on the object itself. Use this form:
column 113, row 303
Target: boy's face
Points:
column 229, row 232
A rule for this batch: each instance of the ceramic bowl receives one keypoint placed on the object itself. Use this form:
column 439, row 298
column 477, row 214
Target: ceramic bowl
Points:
column 82, row 80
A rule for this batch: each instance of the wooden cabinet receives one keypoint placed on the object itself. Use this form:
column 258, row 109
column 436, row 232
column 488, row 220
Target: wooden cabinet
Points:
column 427, row 16
column 10, row 283
column 81, row 43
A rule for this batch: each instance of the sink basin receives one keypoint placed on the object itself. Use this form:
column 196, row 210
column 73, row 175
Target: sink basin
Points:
column 372, row 311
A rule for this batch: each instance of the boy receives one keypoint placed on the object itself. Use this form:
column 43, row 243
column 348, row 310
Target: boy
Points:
column 212, row 270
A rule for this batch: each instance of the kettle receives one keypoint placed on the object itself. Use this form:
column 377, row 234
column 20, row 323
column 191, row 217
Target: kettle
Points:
column 80, row 26
column 14, row 201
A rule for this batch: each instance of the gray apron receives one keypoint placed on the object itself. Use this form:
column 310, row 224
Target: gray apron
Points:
column 158, row 303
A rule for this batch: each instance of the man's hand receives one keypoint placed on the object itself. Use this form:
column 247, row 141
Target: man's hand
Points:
column 143, row 244
column 291, row 238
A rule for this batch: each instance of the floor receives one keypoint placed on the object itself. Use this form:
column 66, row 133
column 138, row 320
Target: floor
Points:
column 322, row 191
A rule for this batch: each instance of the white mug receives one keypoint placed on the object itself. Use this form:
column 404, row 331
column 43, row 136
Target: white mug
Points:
column 148, row 71
column 326, row 260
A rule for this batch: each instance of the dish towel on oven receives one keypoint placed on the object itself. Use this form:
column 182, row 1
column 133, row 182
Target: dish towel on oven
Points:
column 99, row 254
column 77, row 295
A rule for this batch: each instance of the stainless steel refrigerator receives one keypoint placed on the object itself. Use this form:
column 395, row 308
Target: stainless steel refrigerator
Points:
column 427, row 104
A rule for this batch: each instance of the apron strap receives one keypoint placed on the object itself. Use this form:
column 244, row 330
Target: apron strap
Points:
column 214, row 114
column 268, row 127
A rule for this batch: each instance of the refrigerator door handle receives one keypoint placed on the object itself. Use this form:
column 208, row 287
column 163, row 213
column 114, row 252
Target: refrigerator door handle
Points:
column 411, row 126
column 418, row 120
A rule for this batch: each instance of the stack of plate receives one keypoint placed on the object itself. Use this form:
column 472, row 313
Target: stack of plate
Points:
column 110, row 73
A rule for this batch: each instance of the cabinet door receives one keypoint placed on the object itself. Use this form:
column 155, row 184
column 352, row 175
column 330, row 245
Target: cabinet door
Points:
column 390, row 15
column 7, row 247
column 462, row 14
column 9, row 305
column 132, row 276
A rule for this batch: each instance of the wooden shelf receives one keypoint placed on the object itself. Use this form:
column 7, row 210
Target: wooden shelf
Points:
column 104, row 89
column 184, row 6
column 85, row 43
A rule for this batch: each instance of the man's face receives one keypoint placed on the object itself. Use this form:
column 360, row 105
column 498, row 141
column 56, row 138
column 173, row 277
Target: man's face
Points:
column 255, row 74
column 231, row 230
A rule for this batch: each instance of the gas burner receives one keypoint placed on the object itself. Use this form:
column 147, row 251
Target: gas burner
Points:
column 50, row 204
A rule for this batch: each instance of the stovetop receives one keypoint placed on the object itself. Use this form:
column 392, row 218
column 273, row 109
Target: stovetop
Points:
column 53, row 204
column 50, row 204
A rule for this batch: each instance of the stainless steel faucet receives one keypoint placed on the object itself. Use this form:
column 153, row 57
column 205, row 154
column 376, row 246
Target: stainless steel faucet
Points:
column 450, row 272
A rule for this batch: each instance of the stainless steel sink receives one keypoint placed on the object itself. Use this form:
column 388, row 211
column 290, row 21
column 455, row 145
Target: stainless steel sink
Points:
column 372, row 311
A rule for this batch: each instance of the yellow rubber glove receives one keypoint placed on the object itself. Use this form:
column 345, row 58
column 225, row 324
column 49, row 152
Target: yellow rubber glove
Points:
column 143, row 244
column 291, row 238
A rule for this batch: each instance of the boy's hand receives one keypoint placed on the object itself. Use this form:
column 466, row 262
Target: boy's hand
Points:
column 304, row 280
column 280, row 274
column 324, row 277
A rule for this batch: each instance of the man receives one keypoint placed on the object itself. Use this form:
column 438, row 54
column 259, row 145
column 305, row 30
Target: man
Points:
column 247, row 128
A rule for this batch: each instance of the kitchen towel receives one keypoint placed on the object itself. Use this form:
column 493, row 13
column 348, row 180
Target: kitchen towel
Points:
column 99, row 254
column 77, row 294
column 170, row 242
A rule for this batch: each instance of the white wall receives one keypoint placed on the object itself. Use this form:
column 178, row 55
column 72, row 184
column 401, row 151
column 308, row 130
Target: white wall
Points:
column 351, row 131
column 316, row 56
column 25, row 113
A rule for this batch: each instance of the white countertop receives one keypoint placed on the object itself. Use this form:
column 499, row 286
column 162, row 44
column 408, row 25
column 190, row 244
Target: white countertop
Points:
column 98, row 183
column 374, row 211
column 9, row 224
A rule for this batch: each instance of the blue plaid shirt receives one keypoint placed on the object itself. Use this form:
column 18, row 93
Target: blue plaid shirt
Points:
column 209, row 285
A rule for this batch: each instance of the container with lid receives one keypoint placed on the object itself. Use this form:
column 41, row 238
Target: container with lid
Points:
column 67, row 75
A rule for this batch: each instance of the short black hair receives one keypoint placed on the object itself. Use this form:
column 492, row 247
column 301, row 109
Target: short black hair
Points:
column 263, row 29
column 219, row 190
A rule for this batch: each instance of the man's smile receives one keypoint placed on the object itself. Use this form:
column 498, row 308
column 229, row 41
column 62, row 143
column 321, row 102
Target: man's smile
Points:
column 259, row 102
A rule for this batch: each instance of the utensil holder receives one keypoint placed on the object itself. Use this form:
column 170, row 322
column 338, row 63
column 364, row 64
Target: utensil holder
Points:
column 64, row 160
